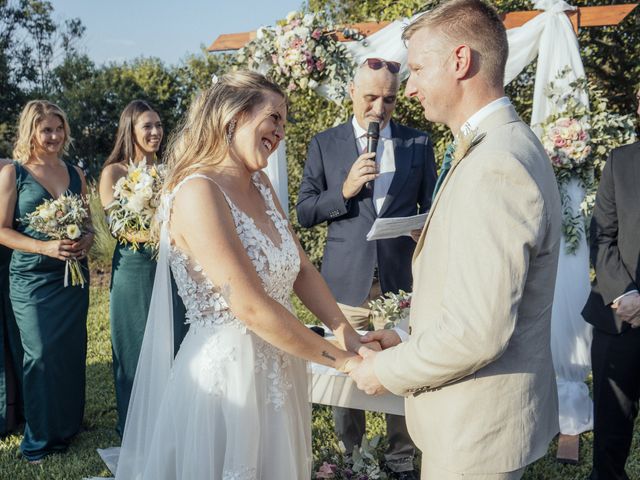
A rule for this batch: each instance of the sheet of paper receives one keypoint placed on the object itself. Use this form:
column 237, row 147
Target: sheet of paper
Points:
column 396, row 227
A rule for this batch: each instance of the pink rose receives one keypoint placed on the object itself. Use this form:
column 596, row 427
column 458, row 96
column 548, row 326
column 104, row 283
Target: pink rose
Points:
column 320, row 65
column 316, row 34
column 327, row 470
column 559, row 142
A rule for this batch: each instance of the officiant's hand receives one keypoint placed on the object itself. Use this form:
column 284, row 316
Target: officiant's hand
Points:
column 363, row 170
column 365, row 376
column 386, row 338
column 628, row 309
column 415, row 234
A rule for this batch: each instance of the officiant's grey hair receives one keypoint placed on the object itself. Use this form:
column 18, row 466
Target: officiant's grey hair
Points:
column 474, row 23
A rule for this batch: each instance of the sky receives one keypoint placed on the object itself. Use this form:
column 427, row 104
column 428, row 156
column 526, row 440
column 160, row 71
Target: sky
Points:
column 118, row 30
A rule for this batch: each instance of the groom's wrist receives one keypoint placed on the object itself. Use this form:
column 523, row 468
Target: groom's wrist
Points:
column 404, row 336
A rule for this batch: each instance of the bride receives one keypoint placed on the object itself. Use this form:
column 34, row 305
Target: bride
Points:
column 234, row 405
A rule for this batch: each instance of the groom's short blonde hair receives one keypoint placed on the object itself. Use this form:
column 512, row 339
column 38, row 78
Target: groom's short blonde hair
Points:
column 474, row 23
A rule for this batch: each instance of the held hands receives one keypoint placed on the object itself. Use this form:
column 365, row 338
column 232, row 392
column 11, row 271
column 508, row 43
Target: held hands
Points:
column 364, row 375
column 363, row 170
column 67, row 249
column 385, row 338
column 628, row 309
column 83, row 245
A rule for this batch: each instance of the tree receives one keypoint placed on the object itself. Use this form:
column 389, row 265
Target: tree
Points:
column 31, row 44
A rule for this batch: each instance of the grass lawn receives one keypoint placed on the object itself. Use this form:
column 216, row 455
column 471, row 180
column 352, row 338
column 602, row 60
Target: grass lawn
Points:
column 81, row 460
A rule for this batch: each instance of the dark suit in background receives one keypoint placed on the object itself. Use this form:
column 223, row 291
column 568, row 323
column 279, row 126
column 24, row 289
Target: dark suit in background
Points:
column 615, row 352
column 352, row 265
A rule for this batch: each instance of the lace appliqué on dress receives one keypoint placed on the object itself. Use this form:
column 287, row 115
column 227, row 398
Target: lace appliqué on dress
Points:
column 215, row 356
column 244, row 473
column 204, row 304
column 275, row 363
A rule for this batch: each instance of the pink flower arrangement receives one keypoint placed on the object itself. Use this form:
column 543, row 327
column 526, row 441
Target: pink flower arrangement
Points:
column 566, row 141
column 299, row 56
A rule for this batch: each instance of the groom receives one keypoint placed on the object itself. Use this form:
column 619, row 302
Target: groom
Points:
column 476, row 371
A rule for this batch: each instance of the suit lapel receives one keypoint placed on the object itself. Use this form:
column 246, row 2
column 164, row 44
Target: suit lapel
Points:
column 402, row 154
column 500, row 117
column 433, row 208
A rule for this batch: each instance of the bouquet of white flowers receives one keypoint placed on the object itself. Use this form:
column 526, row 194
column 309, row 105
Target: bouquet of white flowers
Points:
column 392, row 306
column 136, row 197
column 66, row 217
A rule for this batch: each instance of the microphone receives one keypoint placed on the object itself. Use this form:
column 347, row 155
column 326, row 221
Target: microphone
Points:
column 373, row 134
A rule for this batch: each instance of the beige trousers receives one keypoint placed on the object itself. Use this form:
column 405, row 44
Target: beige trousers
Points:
column 362, row 318
column 431, row 472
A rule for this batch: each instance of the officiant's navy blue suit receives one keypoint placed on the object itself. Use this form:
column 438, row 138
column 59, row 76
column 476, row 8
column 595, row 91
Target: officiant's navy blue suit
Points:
column 349, row 259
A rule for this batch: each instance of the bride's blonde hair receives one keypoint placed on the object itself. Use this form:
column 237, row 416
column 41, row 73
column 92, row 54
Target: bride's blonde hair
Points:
column 32, row 114
column 201, row 140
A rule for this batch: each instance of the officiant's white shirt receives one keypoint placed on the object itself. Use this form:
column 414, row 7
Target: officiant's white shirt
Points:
column 385, row 161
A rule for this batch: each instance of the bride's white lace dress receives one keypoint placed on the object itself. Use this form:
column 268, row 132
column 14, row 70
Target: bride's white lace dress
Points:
column 234, row 407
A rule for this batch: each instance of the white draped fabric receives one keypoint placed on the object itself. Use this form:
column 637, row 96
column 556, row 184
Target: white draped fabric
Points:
column 549, row 37
column 277, row 172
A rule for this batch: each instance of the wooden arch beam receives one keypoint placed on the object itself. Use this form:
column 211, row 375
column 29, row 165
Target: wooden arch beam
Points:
column 582, row 17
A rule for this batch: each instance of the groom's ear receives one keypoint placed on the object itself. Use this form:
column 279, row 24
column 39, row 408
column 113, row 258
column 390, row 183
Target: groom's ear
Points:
column 464, row 60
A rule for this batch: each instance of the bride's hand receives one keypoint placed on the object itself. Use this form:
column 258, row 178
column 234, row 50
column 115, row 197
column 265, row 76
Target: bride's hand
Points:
column 349, row 364
column 371, row 345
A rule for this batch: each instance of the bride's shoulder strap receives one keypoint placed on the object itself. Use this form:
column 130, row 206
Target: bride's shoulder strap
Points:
column 177, row 188
column 166, row 202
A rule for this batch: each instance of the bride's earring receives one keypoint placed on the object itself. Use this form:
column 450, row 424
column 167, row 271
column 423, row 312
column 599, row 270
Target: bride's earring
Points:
column 230, row 130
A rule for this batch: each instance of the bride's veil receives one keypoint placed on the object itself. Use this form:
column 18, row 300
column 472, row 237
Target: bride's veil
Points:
column 154, row 363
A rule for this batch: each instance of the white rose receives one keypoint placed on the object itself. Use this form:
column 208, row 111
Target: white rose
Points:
column 73, row 231
column 136, row 203
column 47, row 213
column 145, row 181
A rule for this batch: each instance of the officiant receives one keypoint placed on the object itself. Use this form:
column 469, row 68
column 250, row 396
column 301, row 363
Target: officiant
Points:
column 349, row 182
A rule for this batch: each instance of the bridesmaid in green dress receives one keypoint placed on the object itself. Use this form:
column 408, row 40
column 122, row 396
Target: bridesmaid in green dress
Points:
column 10, row 350
column 51, row 317
column 132, row 270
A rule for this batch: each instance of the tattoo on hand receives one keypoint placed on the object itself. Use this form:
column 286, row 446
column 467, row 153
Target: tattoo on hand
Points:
column 326, row 355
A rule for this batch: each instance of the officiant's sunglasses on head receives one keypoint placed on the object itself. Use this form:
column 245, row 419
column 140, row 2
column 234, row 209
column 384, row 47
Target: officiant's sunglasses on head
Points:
column 378, row 63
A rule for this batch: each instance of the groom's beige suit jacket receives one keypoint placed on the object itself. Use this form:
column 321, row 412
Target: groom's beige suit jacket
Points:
column 477, row 370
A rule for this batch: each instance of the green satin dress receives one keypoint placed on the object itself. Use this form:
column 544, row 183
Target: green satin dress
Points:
column 132, row 275
column 52, row 320
column 10, row 355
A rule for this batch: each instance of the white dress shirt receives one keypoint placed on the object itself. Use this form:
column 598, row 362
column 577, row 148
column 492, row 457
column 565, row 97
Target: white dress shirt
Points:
column 474, row 120
column 385, row 161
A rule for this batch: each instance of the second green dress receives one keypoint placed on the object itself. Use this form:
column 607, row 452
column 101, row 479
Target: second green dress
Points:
column 132, row 275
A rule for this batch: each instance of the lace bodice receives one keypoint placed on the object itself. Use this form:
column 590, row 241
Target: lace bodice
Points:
column 277, row 265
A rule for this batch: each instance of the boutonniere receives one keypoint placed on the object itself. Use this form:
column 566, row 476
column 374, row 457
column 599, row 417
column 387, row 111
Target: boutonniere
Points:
column 464, row 142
